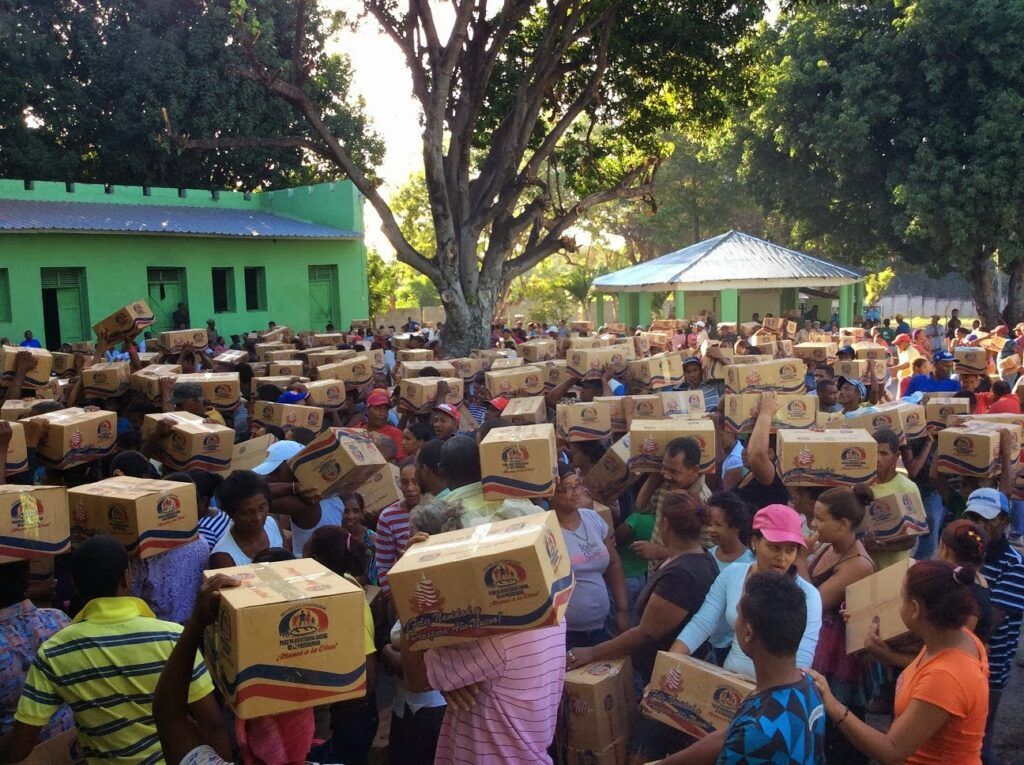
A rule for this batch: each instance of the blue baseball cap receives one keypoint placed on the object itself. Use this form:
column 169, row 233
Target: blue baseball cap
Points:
column 942, row 356
column 846, row 349
column 291, row 397
column 861, row 389
column 691, row 360
column 988, row 503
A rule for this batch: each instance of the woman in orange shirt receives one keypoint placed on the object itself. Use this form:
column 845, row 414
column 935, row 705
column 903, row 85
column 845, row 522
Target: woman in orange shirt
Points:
column 942, row 696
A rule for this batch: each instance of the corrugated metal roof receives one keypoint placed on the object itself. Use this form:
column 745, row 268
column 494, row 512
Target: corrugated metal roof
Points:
column 27, row 216
column 732, row 259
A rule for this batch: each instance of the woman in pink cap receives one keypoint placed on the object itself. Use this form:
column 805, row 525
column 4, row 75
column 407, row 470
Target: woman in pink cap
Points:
column 775, row 541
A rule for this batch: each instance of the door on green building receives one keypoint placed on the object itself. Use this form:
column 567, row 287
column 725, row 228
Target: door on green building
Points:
column 323, row 297
column 166, row 290
column 65, row 313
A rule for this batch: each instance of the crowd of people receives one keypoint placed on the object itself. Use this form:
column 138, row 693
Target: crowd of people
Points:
column 729, row 565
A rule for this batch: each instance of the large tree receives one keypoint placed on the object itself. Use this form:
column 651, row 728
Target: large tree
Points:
column 890, row 130
column 83, row 85
column 533, row 113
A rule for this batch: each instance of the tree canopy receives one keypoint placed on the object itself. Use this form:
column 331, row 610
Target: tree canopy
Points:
column 82, row 86
column 892, row 129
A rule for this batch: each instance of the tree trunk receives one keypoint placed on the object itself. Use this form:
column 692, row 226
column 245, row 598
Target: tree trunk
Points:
column 982, row 280
column 1014, row 312
column 467, row 324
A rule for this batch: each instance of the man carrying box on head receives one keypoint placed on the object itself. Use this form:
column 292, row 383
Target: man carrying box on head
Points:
column 783, row 720
column 114, row 650
column 693, row 379
column 890, row 482
column 941, row 378
column 378, row 407
column 186, row 397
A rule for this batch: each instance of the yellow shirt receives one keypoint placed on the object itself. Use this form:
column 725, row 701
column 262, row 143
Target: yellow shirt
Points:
column 901, row 484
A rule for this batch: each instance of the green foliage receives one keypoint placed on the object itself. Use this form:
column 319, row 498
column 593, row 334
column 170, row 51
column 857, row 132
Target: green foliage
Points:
column 876, row 284
column 82, row 86
column 548, row 299
column 382, row 282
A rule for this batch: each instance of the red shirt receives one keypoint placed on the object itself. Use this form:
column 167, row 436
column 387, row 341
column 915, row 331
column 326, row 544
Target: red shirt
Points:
column 394, row 434
column 1008, row 404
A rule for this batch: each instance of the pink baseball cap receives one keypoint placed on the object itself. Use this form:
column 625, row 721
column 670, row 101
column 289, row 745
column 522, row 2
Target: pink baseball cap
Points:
column 450, row 410
column 779, row 524
column 377, row 397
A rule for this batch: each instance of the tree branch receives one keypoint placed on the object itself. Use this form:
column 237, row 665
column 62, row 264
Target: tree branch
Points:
column 298, row 72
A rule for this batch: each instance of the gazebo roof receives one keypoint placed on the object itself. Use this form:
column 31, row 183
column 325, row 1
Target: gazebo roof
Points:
column 733, row 260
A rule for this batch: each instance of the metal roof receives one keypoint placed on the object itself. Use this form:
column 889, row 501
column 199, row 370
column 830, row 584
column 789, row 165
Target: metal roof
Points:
column 27, row 216
column 733, row 260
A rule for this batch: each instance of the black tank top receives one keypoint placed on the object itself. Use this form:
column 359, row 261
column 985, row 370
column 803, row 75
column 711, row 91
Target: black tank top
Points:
column 758, row 495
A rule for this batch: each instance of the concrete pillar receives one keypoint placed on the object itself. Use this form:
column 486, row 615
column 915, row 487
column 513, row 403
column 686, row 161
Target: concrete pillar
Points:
column 643, row 309
column 627, row 308
column 730, row 305
column 789, row 299
column 680, row 304
column 859, row 293
column 846, row 299
column 599, row 310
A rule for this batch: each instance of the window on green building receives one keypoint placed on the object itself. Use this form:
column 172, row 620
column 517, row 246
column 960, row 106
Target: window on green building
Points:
column 255, row 288
column 5, row 295
column 224, row 290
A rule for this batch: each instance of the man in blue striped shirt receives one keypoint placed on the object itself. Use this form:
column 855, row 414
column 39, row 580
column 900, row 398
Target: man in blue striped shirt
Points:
column 693, row 379
column 105, row 666
column 1004, row 571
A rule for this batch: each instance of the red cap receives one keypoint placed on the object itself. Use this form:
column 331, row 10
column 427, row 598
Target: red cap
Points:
column 377, row 397
column 779, row 524
column 499, row 403
column 902, row 337
column 450, row 410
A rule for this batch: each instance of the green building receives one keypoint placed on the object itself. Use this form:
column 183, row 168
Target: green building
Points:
column 71, row 254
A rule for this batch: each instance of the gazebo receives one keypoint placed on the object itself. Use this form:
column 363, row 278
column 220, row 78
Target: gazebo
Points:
column 732, row 276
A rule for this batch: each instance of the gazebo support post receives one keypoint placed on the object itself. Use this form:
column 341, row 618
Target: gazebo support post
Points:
column 859, row 293
column 730, row 301
column 789, row 299
column 643, row 308
column 846, row 298
column 627, row 309
column 679, row 302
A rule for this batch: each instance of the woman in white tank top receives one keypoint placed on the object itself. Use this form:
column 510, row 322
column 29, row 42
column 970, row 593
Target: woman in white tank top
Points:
column 245, row 497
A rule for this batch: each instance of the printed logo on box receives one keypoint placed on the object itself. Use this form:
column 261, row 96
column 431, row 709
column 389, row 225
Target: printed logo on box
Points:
column 796, row 408
column 103, row 430
column 726, row 701
column 515, row 458
column 222, row 390
column 505, row 579
column 99, row 377
column 963, row 445
column 554, row 554
column 211, row 442
column 854, row 457
column 881, row 421
column 302, row 627
column 329, row 470
column 117, row 518
column 168, row 509
column 22, row 519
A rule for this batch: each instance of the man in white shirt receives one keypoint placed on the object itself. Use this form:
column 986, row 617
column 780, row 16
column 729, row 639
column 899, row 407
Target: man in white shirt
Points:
column 936, row 334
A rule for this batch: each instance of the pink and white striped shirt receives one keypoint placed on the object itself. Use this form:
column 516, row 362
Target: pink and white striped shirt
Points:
column 513, row 717
column 392, row 538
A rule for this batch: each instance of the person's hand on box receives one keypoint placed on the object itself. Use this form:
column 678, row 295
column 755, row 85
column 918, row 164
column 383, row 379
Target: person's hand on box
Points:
column 35, row 432
column 6, row 432
column 164, row 427
column 166, row 386
column 208, row 600
column 577, row 657
column 24, row 362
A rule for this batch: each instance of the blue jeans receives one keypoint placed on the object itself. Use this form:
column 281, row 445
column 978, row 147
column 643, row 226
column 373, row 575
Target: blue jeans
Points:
column 634, row 584
column 1017, row 517
column 935, row 512
column 585, row 638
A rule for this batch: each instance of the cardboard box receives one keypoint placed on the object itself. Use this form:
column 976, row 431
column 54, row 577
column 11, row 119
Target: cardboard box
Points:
column 63, row 363
column 467, row 368
column 221, row 390
column 526, row 410
column 410, row 369
column 285, row 368
column 581, row 326
column 172, row 342
column 938, row 410
column 604, row 512
column 820, row 352
column 780, row 375
column 125, row 322
column 381, row 490
column 663, row 370
column 418, row 394
column 555, row 373
column 541, row 349
column 614, row 326
column 644, row 407
column 328, row 394
column 584, row 422
column 281, row 381
column 16, row 408
column 150, row 357
column 748, row 328
column 106, row 380
column 852, row 334
column 870, row 350
column 591, row 362
column 400, row 341
column 62, row 749
column 904, row 419
column 147, row 380
column 415, row 354
column 765, row 344
column 826, row 458
column 617, row 410
column 17, row 451
column 277, row 334
column 523, row 381
column 337, row 461
column 34, row 521
column 689, row 402
column 488, row 355
column 796, row 410
column 520, row 461
column 972, row 449
column 598, row 703
column 327, row 339
column 317, row 359
column 192, row 442
column 355, row 372
column 971, row 360
column 649, row 438
column 284, row 354
column 288, row 415
column 868, row 371
column 693, row 696
column 246, row 455
column 611, row 475
column 291, row 636
column 1009, row 365
column 74, row 436
column 895, row 516
column 377, row 360
column 490, row 579
column 148, row 517
column 774, row 323
column 507, row 363
column 876, row 597
column 231, row 358
column 36, row 377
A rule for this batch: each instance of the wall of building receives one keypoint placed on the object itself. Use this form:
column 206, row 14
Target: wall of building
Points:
column 115, row 268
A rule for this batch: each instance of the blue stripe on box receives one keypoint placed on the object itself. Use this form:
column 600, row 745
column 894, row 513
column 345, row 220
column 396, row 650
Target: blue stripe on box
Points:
column 16, row 546
column 161, row 534
column 963, row 468
column 512, row 488
column 294, row 675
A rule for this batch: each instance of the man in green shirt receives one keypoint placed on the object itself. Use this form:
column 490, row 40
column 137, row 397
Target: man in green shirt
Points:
column 638, row 527
column 889, row 482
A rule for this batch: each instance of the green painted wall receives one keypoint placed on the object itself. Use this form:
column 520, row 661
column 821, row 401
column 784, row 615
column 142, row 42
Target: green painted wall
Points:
column 115, row 265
